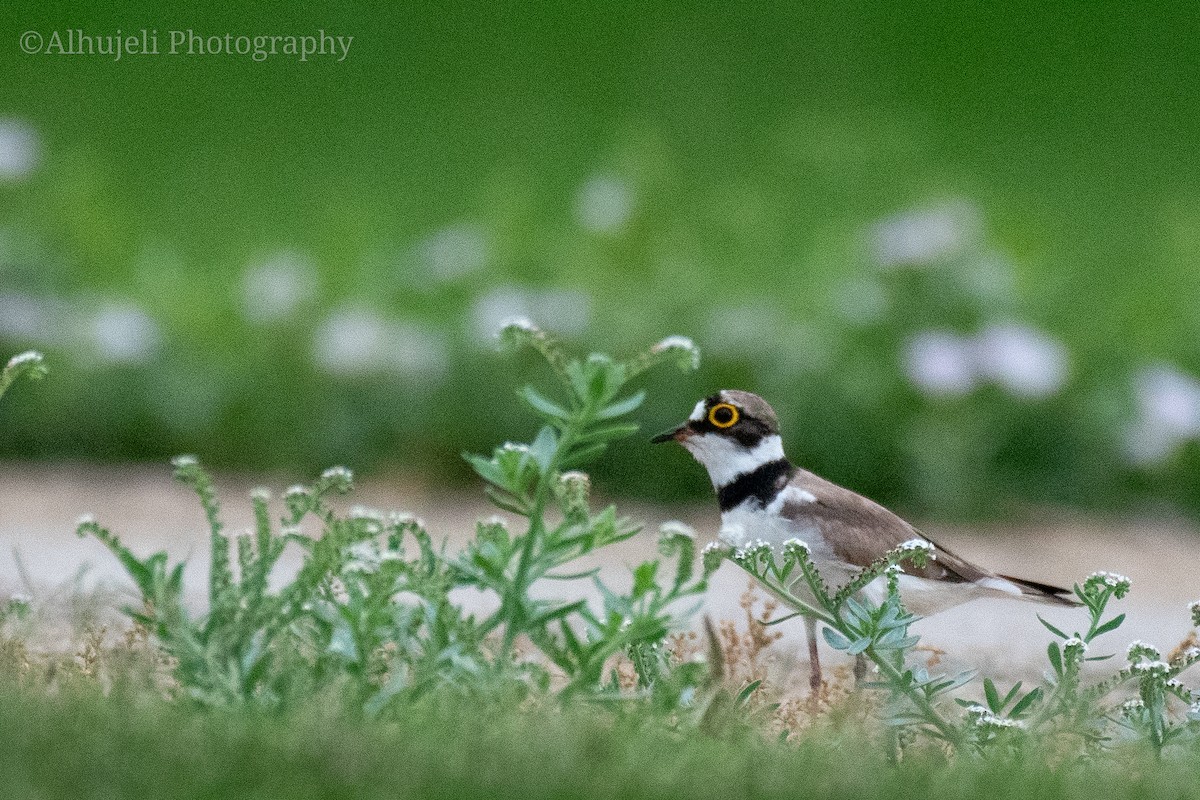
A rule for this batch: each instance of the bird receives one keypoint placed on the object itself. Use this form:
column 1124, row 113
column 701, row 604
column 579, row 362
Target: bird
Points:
column 763, row 496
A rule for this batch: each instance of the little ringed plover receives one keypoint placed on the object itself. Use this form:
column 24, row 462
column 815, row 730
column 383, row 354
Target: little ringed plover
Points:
column 762, row 495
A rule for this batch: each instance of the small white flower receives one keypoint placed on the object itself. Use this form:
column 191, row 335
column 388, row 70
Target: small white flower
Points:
column 603, row 204
column 1025, row 361
column 1076, row 645
column 340, row 474
column 364, row 512
column 679, row 344
column 19, row 148
column 1176, row 684
column 296, row 490
column 260, row 493
column 455, row 251
column 85, row 519
column 674, row 527
column 914, row 545
column 1158, row 669
column 1132, row 707
column 28, row 357
column 1112, row 580
column 496, row 521
column 521, row 324
column 275, row 287
column 796, row 545
column 921, row 237
column 1138, row 649
column 403, row 519
column 940, row 363
column 123, row 333
column 180, row 462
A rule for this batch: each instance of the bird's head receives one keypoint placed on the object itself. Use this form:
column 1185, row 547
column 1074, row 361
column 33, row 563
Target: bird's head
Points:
column 730, row 434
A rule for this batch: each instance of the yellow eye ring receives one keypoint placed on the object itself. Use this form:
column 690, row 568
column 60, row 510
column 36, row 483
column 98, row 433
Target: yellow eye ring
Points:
column 723, row 415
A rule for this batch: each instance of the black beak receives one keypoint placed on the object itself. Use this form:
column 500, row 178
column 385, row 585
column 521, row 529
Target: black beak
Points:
column 671, row 435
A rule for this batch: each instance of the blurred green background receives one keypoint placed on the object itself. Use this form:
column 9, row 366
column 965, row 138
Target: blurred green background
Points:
column 955, row 247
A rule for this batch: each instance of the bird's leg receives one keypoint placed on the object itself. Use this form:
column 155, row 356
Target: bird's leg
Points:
column 810, row 628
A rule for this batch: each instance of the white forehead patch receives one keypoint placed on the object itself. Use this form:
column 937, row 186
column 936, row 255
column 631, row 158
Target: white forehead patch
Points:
column 697, row 412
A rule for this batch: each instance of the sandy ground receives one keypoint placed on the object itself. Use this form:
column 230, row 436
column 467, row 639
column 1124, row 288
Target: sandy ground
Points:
column 40, row 554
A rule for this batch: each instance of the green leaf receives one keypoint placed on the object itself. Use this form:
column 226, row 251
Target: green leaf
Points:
column 1052, row 629
column 1008, row 698
column 1055, row 656
column 744, row 694
column 543, row 405
column 835, row 639
column 487, row 469
column 644, row 578
column 622, row 407
column 859, row 645
column 1026, row 702
column 1111, row 625
column 609, row 433
column 543, row 447
column 991, row 695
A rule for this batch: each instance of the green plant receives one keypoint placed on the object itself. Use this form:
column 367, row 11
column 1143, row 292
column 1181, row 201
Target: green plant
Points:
column 916, row 699
column 531, row 480
column 370, row 607
column 29, row 364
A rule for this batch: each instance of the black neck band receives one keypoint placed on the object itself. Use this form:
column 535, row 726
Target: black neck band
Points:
column 762, row 484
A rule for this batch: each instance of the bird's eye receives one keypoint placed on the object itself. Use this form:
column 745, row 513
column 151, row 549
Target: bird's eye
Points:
column 723, row 415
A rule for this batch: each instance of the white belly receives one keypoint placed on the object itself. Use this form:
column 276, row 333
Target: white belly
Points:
column 921, row 596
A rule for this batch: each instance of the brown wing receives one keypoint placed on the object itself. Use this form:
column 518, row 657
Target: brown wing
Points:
column 861, row 531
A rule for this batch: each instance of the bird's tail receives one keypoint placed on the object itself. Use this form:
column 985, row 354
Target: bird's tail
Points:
column 1043, row 592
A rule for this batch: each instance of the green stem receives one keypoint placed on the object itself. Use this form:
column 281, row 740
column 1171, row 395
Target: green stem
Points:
column 537, row 527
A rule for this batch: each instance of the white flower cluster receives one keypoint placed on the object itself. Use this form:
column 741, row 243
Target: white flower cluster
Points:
column 1074, row 648
column 796, row 546
column 1112, row 580
column 1131, row 708
column 1139, row 650
column 85, row 519
column 913, row 545
column 405, row 519
column 28, row 357
column 679, row 344
column 181, row 462
column 674, row 527
column 523, row 324
column 362, row 557
column 261, row 494
column 296, row 490
column 715, row 549
column 753, row 550
column 1025, row 361
column 338, row 475
column 981, row 717
column 1155, row 669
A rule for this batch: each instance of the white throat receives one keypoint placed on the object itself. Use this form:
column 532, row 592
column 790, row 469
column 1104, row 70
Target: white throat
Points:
column 726, row 460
